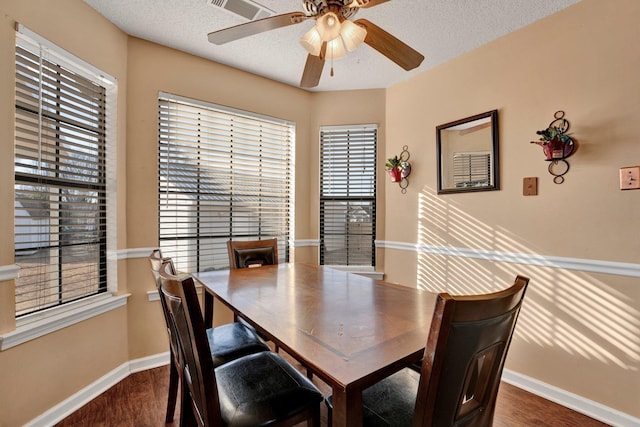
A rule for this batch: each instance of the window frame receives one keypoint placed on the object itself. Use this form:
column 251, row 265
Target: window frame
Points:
column 357, row 201
column 36, row 324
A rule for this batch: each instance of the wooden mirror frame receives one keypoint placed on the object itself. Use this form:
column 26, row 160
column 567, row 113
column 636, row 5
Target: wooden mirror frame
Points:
column 485, row 120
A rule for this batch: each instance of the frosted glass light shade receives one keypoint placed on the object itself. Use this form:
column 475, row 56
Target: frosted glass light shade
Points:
column 311, row 41
column 352, row 34
column 335, row 49
column 328, row 26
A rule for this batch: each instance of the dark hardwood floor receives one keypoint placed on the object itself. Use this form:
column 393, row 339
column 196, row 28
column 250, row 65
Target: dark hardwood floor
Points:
column 140, row 400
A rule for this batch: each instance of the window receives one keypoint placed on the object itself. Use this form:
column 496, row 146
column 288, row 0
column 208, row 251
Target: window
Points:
column 224, row 174
column 60, row 176
column 348, row 195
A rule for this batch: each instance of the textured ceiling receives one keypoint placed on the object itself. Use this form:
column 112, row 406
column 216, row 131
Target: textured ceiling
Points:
column 439, row 29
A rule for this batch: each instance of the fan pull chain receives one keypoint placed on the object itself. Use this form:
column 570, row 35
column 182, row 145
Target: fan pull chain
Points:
column 331, row 60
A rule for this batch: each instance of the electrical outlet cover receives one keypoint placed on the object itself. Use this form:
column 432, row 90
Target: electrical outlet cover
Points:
column 530, row 186
column 630, row 178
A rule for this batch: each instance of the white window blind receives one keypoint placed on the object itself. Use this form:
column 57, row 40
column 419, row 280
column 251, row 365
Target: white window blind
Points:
column 60, row 178
column 471, row 169
column 224, row 174
column 348, row 195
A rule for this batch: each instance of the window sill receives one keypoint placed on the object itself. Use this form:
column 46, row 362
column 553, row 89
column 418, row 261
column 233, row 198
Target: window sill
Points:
column 360, row 270
column 38, row 324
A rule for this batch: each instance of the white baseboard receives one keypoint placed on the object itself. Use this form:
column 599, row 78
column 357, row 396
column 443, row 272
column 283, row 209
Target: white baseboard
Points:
column 569, row 400
column 93, row 390
column 577, row 403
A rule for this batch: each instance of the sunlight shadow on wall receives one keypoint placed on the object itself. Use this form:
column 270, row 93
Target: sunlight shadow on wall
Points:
column 569, row 310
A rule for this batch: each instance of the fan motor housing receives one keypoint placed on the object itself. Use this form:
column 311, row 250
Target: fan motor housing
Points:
column 320, row 7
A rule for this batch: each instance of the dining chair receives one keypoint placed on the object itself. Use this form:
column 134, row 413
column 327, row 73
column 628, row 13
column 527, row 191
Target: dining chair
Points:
column 226, row 342
column 250, row 254
column 260, row 389
column 460, row 374
column 253, row 253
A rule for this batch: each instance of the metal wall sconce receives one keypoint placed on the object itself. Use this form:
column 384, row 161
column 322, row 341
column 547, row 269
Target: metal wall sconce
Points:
column 399, row 168
column 557, row 145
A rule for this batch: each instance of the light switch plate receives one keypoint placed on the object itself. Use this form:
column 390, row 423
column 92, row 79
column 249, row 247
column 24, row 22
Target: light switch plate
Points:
column 530, row 186
column 630, row 178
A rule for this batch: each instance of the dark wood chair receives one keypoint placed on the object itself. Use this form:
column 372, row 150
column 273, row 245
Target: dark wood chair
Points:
column 226, row 342
column 254, row 253
column 250, row 254
column 460, row 373
column 261, row 389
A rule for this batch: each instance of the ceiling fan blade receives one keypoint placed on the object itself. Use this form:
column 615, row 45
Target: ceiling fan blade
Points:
column 313, row 69
column 370, row 3
column 391, row 47
column 255, row 27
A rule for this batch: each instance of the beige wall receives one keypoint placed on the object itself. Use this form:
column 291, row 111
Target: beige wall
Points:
column 338, row 108
column 154, row 68
column 592, row 350
column 142, row 69
column 578, row 331
column 151, row 69
column 41, row 373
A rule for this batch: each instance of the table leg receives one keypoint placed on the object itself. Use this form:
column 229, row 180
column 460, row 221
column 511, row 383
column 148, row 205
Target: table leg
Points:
column 208, row 309
column 347, row 408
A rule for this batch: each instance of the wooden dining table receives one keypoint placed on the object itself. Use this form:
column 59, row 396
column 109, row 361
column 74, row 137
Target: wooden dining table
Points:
column 349, row 330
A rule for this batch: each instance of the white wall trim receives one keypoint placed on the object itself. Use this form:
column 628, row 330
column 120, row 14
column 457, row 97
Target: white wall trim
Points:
column 304, row 243
column 134, row 253
column 590, row 265
column 573, row 401
column 153, row 296
column 145, row 252
column 580, row 264
column 9, row 272
column 65, row 408
column 35, row 325
column 149, row 362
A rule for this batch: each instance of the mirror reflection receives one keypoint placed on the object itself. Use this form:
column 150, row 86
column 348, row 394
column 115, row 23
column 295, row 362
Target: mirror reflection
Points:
column 467, row 152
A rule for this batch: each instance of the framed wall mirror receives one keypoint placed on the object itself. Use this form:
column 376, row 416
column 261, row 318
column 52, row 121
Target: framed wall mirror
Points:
column 467, row 153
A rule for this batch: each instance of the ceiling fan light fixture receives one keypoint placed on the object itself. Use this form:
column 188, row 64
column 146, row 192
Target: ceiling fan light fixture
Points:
column 312, row 41
column 352, row 34
column 328, row 26
column 335, row 49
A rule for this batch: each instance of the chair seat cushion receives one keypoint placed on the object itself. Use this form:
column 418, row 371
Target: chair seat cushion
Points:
column 232, row 340
column 258, row 389
column 391, row 401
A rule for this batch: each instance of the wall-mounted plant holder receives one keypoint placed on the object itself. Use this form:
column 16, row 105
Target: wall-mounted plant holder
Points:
column 399, row 168
column 557, row 145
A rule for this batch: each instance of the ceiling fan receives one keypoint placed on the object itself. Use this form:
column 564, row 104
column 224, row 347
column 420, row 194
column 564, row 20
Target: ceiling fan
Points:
column 333, row 31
